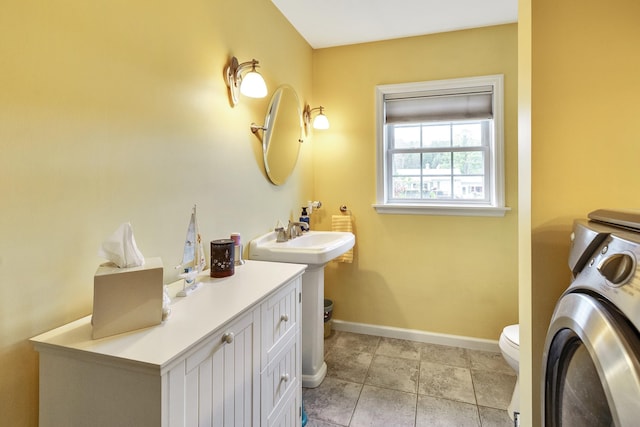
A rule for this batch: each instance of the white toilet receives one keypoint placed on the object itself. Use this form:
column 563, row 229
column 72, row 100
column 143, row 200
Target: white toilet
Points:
column 510, row 347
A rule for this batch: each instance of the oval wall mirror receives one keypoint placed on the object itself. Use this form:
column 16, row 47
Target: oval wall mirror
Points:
column 282, row 134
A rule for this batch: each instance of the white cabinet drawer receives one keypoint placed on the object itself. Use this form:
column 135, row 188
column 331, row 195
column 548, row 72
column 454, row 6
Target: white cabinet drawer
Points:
column 280, row 319
column 281, row 381
column 289, row 414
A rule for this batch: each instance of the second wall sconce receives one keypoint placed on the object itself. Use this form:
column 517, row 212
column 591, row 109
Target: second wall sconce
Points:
column 319, row 122
column 251, row 84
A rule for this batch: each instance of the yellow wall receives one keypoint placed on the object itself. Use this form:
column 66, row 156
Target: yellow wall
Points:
column 115, row 111
column 452, row 275
column 585, row 140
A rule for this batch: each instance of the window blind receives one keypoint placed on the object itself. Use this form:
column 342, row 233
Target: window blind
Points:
column 474, row 103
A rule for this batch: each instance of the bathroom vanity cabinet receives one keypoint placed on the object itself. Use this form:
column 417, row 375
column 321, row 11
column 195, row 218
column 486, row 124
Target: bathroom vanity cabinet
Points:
column 229, row 355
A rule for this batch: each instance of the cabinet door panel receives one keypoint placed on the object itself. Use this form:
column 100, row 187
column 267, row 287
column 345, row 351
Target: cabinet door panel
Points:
column 192, row 395
column 174, row 407
column 218, row 380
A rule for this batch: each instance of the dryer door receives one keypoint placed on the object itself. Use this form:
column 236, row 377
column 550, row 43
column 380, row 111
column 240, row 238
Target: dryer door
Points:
column 591, row 366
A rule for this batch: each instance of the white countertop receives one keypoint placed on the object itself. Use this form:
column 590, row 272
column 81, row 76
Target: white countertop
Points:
column 192, row 319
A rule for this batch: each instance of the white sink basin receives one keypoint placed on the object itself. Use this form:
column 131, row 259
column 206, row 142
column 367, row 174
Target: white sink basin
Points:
column 313, row 247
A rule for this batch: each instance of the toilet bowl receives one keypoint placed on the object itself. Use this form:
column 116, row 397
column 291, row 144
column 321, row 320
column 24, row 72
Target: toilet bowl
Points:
column 510, row 347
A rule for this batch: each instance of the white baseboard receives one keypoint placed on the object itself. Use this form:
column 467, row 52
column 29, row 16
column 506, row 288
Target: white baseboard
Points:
column 416, row 335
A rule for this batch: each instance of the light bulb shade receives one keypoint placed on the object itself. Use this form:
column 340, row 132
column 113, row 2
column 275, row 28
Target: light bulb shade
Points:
column 321, row 122
column 253, row 85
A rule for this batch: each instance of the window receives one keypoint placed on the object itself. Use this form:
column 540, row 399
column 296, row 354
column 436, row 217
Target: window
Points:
column 440, row 147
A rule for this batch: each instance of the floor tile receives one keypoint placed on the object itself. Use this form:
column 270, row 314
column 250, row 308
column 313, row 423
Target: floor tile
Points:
column 394, row 373
column 357, row 342
column 319, row 423
column 454, row 356
column 437, row 412
column 375, row 381
column 491, row 417
column 348, row 364
column 449, row 382
column 489, row 361
column 334, row 401
column 399, row 348
column 383, row 407
column 493, row 389
column 330, row 341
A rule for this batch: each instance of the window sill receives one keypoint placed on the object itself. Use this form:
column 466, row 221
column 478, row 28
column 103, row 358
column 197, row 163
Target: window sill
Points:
column 448, row 210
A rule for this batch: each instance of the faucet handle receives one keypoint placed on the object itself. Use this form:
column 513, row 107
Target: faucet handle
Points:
column 281, row 235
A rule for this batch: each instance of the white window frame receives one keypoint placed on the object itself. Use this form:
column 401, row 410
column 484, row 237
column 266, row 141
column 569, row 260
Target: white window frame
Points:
column 495, row 206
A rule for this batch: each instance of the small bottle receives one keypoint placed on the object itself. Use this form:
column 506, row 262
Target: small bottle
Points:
column 304, row 217
column 237, row 248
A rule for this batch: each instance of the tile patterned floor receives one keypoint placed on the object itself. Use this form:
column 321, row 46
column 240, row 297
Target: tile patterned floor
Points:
column 374, row 381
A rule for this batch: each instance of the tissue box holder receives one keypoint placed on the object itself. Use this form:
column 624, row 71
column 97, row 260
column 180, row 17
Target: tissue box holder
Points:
column 126, row 299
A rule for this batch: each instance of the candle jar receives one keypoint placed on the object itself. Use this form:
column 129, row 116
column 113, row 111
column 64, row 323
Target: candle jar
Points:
column 222, row 258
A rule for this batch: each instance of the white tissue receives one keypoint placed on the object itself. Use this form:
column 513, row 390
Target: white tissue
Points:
column 120, row 248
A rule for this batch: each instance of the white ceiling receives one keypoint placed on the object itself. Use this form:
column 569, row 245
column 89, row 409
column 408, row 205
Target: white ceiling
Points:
column 326, row 23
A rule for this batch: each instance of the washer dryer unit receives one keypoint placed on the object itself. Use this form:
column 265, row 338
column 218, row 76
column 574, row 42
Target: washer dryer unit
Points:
column 591, row 361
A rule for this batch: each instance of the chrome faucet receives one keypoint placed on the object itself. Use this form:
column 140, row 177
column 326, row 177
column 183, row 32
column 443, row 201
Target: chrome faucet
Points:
column 295, row 229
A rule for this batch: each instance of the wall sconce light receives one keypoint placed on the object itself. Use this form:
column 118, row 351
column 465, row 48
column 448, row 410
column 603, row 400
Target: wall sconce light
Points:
column 319, row 122
column 251, row 84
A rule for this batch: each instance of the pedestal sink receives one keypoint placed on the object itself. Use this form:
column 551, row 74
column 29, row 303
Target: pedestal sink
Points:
column 316, row 249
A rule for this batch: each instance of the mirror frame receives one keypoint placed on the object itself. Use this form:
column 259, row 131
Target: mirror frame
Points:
column 280, row 146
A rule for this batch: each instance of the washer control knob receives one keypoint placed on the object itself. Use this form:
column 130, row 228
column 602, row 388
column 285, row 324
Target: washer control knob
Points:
column 618, row 268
